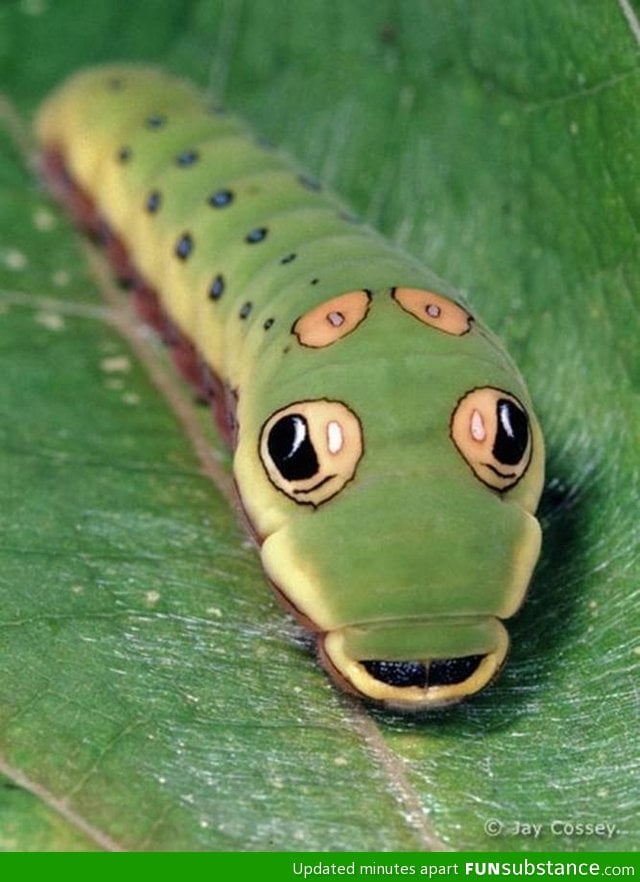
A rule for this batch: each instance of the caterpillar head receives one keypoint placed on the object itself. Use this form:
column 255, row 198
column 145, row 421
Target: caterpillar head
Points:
column 402, row 479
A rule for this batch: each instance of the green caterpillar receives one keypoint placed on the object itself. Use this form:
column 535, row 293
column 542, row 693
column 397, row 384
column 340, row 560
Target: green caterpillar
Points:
column 386, row 451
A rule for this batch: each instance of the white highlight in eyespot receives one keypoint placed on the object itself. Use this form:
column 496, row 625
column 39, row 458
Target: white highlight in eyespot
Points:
column 505, row 421
column 336, row 319
column 335, row 438
column 300, row 433
column 478, row 431
column 433, row 310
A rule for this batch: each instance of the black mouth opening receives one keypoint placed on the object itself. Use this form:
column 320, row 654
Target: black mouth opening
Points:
column 439, row 672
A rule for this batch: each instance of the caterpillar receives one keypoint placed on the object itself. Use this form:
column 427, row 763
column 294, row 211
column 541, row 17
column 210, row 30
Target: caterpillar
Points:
column 386, row 452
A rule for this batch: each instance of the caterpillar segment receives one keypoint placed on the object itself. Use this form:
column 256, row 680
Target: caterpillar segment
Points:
column 386, row 451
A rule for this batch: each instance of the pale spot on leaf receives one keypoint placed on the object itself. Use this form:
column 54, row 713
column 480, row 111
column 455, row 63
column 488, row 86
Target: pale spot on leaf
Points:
column 60, row 278
column 14, row 259
column 50, row 320
column 43, row 220
column 116, row 364
column 33, row 7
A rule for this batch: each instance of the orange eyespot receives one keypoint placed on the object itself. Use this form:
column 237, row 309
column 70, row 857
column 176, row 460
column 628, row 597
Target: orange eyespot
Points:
column 491, row 430
column 311, row 449
column 332, row 320
column 434, row 310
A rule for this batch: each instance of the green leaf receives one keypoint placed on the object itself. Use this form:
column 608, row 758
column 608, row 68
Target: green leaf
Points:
column 28, row 822
column 152, row 694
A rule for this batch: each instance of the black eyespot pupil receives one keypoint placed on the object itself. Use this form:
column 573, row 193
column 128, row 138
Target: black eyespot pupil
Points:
column 512, row 433
column 291, row 450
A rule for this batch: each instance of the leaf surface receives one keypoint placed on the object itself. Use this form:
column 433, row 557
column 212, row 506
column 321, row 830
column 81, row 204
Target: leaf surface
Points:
column 152, row 693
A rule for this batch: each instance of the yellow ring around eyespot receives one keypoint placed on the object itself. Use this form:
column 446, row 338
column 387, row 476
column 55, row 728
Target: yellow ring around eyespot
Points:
column 473, row 431
column 338, row 442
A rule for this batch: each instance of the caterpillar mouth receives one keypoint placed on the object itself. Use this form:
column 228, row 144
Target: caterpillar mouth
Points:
column 425, row 681
column 438, row 672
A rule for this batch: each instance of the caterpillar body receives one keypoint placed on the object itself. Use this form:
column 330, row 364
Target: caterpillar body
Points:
column 386, row 452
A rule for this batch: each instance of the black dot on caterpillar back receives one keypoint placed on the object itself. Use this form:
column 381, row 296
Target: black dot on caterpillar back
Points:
column 216, row 289
column 220, row 199
column 184, row 246
column 155, row 121
column 259, row 234
column 187, row 158
column 154, row 200
column 124, row 154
